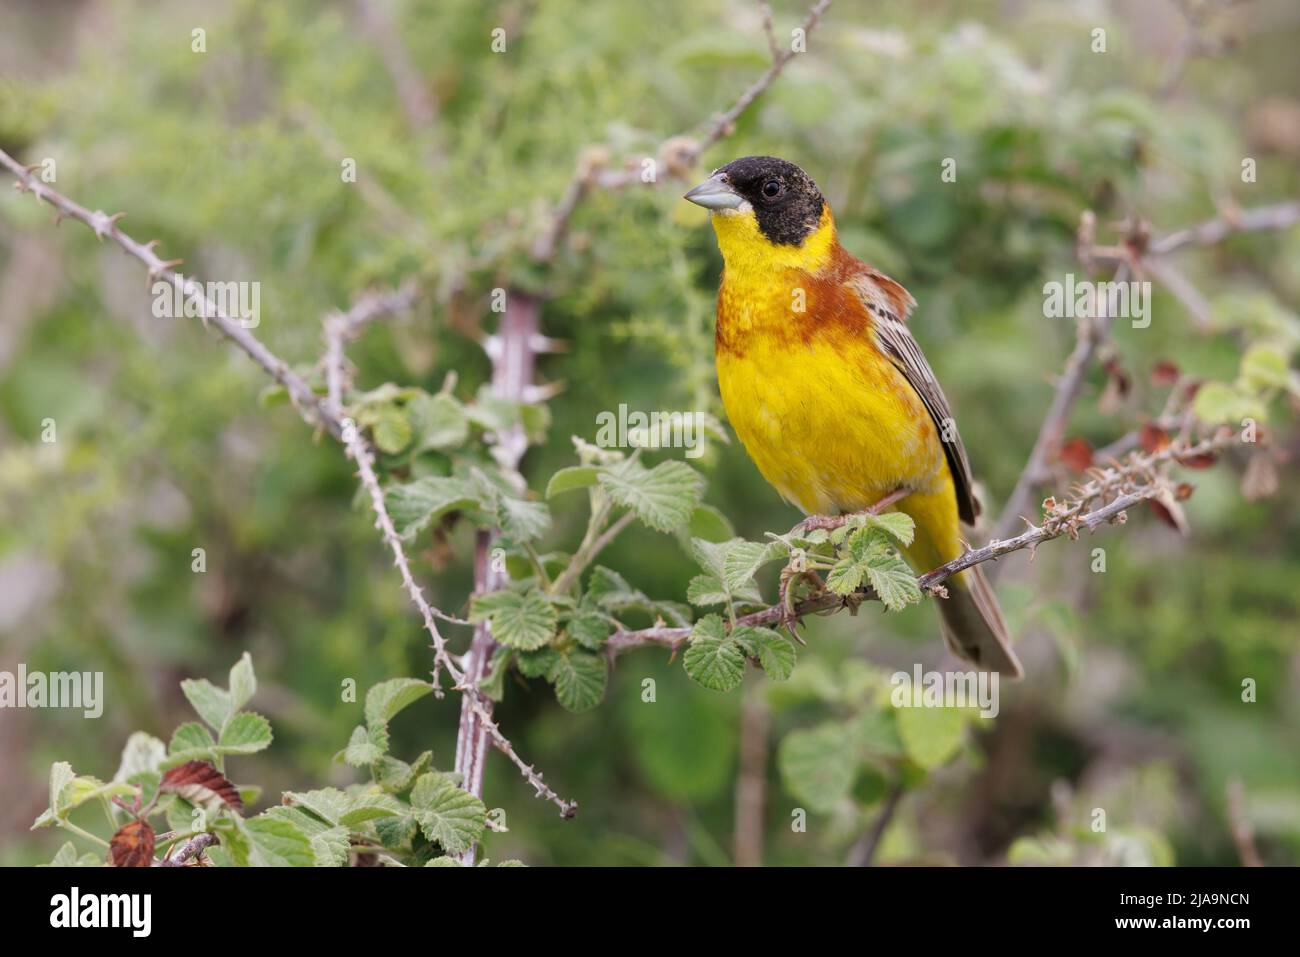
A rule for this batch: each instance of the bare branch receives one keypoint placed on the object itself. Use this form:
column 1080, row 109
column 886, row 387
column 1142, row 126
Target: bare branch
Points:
column 864, row 852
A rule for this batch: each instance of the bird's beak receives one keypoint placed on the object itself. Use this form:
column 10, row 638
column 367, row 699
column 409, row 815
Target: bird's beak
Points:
column 715, row 193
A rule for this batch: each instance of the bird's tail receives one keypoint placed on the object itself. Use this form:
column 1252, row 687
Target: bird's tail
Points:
column 972, row 624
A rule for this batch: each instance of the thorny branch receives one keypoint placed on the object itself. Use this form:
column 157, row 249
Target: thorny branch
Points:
column 677, row 153
column 1136, row 254
column 192, row 848
column 316, row 410
column 1103, row 500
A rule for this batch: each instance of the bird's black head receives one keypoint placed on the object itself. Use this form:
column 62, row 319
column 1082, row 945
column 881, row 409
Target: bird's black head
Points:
column 784, row 199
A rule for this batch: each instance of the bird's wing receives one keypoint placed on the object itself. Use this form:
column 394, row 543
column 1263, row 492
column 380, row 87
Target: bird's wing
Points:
column 889, row 304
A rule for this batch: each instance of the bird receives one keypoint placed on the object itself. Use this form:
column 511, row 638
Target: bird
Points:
column 828, row 389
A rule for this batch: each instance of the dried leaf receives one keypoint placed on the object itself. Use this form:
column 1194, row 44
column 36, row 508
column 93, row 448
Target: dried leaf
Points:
column 132, row 845
column 1202, row 461
column 1164, row 373
column 1076, row 454
column 1152, row 438
column 1260, row 479
column 1166, row 506
column 202, row 784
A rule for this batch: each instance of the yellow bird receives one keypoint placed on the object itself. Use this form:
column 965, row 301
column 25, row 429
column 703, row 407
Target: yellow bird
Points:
column 829, row 391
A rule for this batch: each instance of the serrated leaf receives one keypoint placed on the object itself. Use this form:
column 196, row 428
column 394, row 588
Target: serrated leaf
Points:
column 277, row 842
column 705, row 590
column 663, row 497
column 370, row 806
column 391, row 430
column 713, row 658
column 191, row 740
column 447, row 815
column 245, row 733
column 845, row 577
column 535, row 664
column 818, row 765
column 525, row 622
column 142, row 753
column 523, row 521
column 573, row 477
column 743, row 559
column 893, row 582
column 396, row 776
column 132, row 845
column 710, row 525
column 415, row 505
column 210, row 702
column 386, row 700
column 579, row 680
column 589, row 628
column 775, row 652
column 437, row 421
column 897, row 525
column 397, row 833
column 365, row 746
column 243, row 682
column 328, row 804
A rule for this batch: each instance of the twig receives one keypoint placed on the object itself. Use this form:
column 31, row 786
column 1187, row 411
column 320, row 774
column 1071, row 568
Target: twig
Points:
column 1258, row 219
column 194, row 847
column 1121, row 487
column 680, row 152
column 308, row 404
column 864, row 851
column 316, row 410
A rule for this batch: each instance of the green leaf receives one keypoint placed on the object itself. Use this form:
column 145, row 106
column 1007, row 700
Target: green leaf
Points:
column 365, row 746
column 526, row 622
column 743, row 559
column 893, row 582
column 523, row 521
column 705, row 590
column 845, row 577
column 142, row 753
column 276, row 842
column 931, row 735
column 243, row 683
column 1217, row 403
column 897, row 525
column 589, row 628
column 713, row 658
column 328, row 804
column 775, row 652
column 579, row 680
column 1264, row 367
column 567, row 479
column 386, row 699
column 535, row 664
column 396, row 776
column 212, row 703
column 818, row 765
column 448, row 816
column 493, row 684
column 437, row 421
column 397, row 832
column 391, row 429
column 191, row 741
column 245, row 733
column 370, row 806
column 664, row 497
column 709, row 524
column 416, row 505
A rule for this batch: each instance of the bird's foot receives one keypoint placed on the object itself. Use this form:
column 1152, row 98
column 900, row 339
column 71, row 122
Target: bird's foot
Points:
column 832, row 522
column 788, row 618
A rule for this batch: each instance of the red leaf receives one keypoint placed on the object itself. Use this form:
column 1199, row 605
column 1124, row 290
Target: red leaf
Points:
column 1152, row 438
column 1202, row 461
column 201, row 783
column 1076, row 454
column 1163, row 373
column 1183, row 491
column 1169, row 511
column 132, row 845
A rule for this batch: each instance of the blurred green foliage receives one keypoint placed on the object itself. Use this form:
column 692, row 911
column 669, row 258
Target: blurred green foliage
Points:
column 232, row 159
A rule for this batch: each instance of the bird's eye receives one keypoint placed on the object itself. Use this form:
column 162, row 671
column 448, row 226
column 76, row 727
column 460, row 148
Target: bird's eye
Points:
column 772, row 189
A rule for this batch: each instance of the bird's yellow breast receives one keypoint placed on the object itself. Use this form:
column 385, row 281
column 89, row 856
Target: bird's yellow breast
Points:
column 826, row 417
